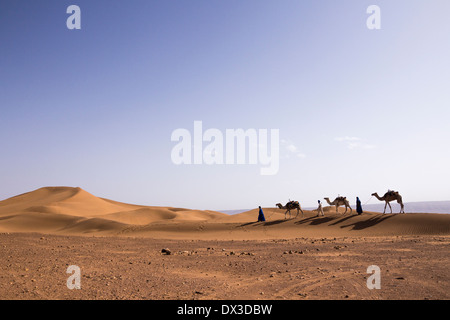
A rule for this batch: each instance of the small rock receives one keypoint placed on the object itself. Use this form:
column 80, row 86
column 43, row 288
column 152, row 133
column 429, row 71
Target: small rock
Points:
column 166, row 251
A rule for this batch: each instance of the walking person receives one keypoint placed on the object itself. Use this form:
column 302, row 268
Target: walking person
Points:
column 319, row 209
column 261, row 215
column 358, row 206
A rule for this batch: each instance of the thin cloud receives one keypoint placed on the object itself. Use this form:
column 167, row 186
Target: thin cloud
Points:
column 353, row 143
column 346, row 138
column 292, row 149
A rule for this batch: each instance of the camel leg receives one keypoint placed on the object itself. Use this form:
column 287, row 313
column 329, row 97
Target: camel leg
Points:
column 385, row 207
column 390, row 206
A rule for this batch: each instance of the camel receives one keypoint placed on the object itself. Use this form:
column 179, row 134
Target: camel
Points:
column 340, row 201
column 289, row 206
column 391, row 196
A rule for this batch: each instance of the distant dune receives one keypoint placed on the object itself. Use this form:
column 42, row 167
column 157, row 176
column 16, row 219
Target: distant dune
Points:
column 73, row 211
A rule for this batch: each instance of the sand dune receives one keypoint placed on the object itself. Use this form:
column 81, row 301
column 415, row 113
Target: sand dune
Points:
column 61, row 200
column 73, row 211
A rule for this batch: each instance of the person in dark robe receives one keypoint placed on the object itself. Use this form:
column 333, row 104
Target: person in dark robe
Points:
column 358, row 206
column 261, row 215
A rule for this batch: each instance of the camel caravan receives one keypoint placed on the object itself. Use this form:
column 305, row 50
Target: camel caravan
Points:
column 389, row 196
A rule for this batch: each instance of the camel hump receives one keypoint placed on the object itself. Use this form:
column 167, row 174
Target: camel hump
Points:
column 391, row 193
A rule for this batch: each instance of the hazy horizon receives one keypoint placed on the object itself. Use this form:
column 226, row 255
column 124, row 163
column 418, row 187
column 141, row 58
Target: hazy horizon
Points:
column 357, row 110
column 442, row 207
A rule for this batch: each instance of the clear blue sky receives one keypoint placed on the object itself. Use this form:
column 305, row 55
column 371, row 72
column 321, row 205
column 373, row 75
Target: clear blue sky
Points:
column 358, row 110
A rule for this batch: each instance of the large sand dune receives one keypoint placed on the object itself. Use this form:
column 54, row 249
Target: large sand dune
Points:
column 73, row 211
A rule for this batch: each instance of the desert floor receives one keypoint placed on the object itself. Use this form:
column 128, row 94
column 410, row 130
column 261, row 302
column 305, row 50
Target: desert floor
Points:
column 33, row 266
column 117, row 247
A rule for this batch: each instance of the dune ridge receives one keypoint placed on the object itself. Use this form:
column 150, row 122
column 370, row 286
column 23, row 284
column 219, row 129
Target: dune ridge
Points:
column 74, row 211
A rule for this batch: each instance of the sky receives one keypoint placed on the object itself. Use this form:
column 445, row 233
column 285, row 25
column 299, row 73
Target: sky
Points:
column 358, row 110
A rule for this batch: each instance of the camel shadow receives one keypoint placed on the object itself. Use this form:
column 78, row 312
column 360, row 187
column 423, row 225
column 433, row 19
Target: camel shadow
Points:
column 314, row 221
column 271, row 223
column 248, row 224
column 342, row 220
column 360, row 225
column 264, row 223
column 321, row 220
column 304, row 220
